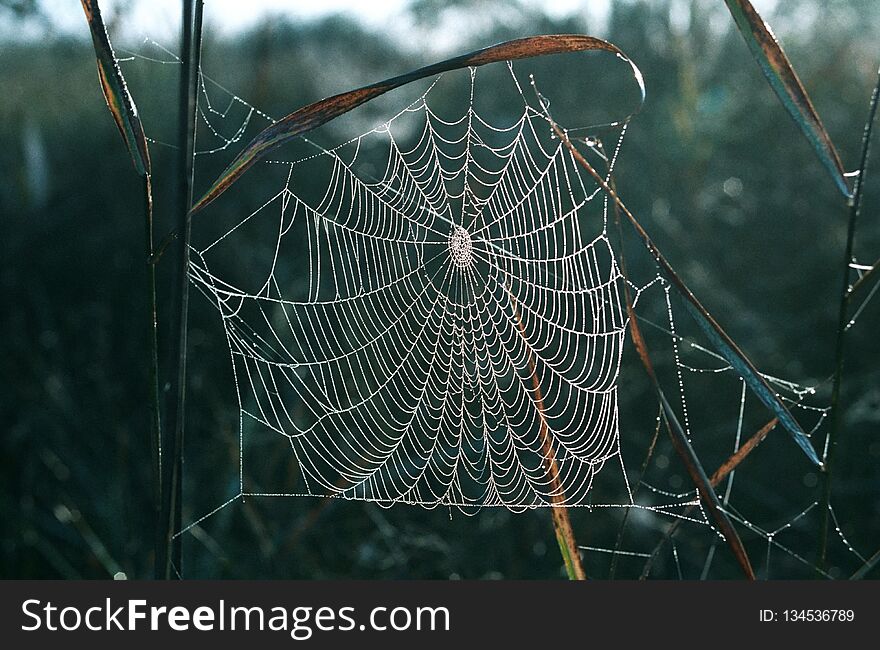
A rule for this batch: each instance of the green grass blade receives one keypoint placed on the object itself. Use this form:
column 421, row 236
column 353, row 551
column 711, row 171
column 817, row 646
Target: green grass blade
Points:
column 787, row 86
column 119, row 100
column 321, row 112
column 744, row 368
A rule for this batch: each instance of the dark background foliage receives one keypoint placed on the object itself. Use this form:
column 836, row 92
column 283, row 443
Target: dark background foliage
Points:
column 713, row 166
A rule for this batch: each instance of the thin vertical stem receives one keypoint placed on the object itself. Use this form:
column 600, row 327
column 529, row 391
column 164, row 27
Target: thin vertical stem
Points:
column 842, row 322
column 153, row 338
column 172, row 503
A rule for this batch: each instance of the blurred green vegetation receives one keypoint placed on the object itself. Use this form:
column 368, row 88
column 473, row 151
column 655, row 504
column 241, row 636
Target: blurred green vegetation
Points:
column 712, row 165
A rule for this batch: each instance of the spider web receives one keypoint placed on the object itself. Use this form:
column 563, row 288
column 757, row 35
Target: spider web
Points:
column 458, row 340
column 431, row 313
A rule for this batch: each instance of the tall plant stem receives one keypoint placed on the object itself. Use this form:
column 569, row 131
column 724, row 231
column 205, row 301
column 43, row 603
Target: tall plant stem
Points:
column 172, row 504
column 842, row 326
column 153, row 338
column 561, row 521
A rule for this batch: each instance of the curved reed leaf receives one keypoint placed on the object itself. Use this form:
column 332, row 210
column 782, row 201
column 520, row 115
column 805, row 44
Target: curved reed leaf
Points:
column 119, row 100
column 314, row 115
column 742, row 365
column 787, row 86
